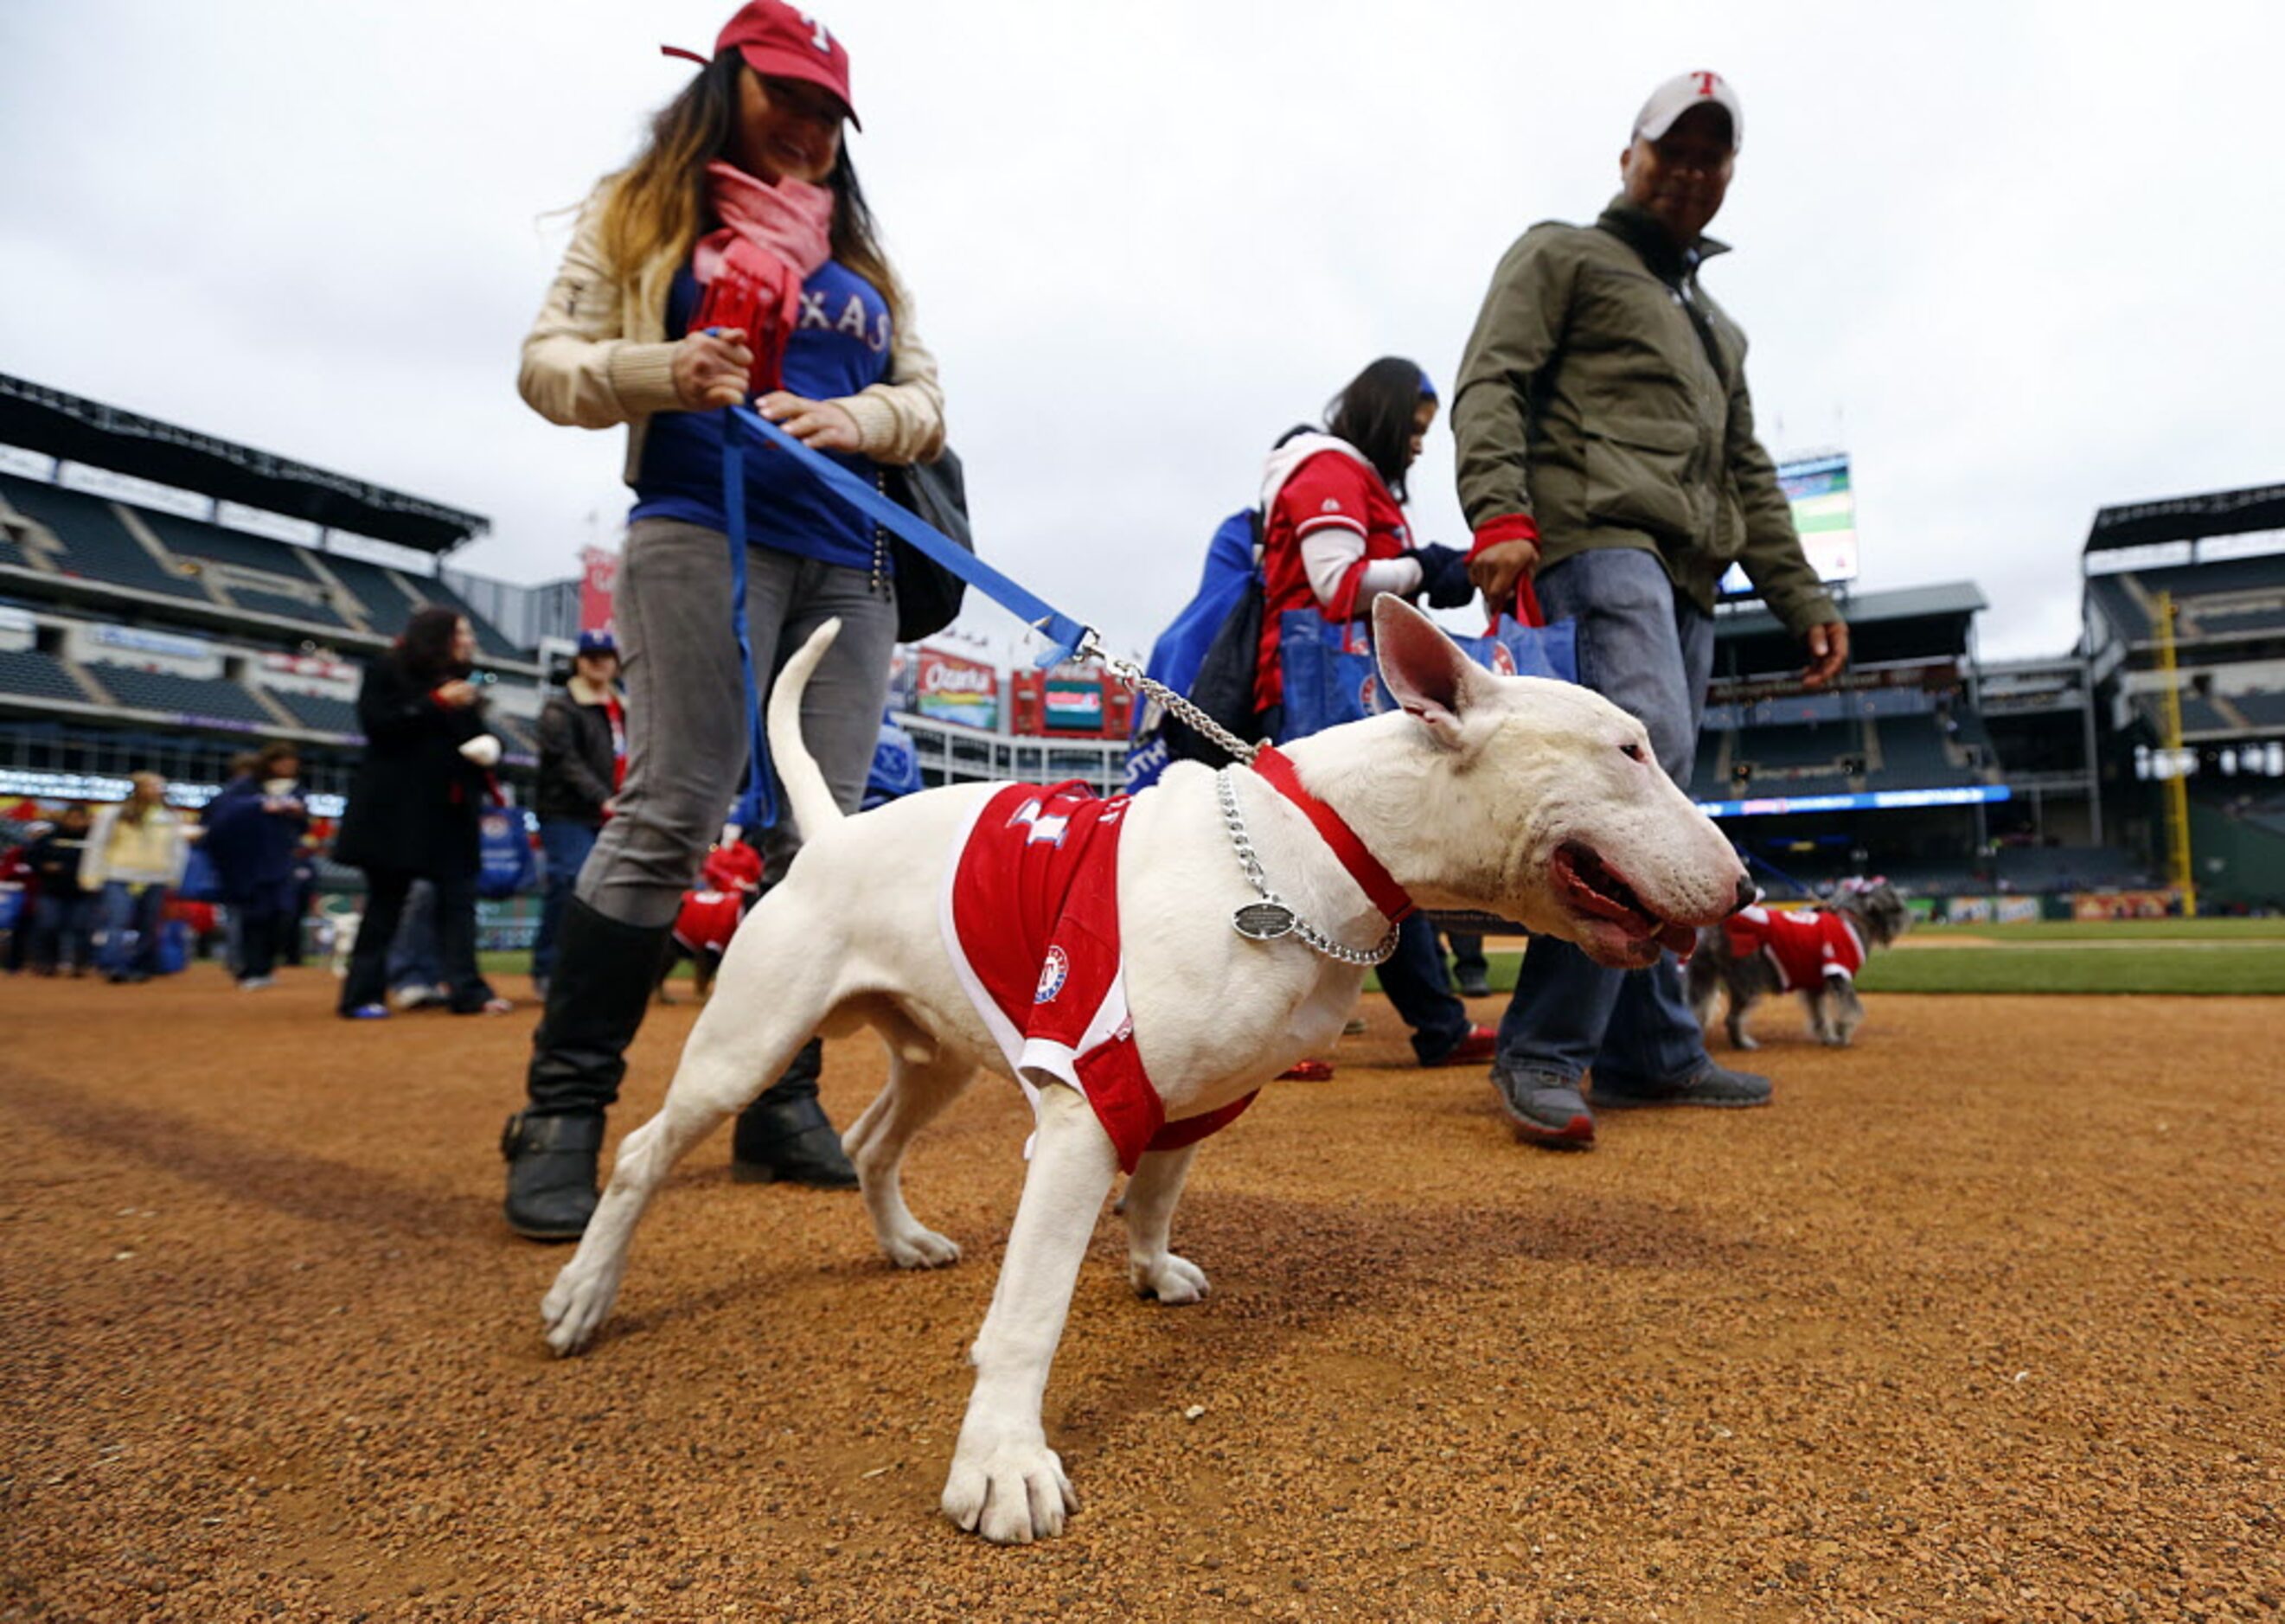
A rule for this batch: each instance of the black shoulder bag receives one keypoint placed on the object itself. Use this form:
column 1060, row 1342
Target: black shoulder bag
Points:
column 928, row 594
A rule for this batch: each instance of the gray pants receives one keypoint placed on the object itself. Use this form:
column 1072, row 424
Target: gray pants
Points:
column 1649, row 651
column 685, row 720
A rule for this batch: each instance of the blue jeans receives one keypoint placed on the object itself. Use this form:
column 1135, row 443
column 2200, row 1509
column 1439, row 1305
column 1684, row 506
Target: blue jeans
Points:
column 63, row 929
column 125, row 910
column 1648, row 650
column 565, row 845
column 1416, row 983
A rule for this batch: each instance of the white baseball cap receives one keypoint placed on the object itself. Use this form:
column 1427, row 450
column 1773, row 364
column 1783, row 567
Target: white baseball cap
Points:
column 1683, row 92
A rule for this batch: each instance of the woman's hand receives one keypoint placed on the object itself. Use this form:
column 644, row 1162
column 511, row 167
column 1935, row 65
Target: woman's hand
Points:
column 711, row 369
column 457, row 694
column 813, row 422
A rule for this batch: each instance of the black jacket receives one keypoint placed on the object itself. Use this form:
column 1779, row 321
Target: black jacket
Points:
column 415, row 801
column 575, row 762
column 54, row 860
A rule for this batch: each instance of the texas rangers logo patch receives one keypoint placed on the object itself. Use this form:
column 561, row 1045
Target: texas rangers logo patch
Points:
column 1053, row 974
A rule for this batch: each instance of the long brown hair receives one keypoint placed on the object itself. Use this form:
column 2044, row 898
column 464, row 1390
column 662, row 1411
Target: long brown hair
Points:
column 655, row 208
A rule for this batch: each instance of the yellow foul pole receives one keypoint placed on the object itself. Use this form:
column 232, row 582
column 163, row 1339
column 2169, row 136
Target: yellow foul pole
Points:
column 2183, row 875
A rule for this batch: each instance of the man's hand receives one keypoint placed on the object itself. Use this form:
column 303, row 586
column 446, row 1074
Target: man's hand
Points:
column 1828, row 652
column 1495, row 571
column 818, row 423
column 710, row 368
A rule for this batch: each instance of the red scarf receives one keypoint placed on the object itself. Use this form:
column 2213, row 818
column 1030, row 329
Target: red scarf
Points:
column 772, row 239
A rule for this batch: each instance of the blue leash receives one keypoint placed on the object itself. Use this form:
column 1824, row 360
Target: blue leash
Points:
column 758, row 806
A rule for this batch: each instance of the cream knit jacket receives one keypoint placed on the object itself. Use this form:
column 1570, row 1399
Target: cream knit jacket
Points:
column 598, row 356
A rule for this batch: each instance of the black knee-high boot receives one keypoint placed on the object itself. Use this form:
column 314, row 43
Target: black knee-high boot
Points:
column 604, row 973
column 785, row 1136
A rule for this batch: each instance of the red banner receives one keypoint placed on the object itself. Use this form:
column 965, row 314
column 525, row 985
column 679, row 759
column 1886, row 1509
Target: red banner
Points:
column 598, row 582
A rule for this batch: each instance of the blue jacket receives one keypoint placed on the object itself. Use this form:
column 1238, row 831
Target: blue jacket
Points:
column 253, row 850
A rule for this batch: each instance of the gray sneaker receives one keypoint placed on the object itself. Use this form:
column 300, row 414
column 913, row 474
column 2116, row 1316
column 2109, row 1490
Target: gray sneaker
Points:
column 1545, row 1108
column 1716, row 1086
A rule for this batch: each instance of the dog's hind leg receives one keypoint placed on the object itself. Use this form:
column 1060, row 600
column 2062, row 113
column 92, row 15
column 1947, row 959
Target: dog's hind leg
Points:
column 916, row 1091
column 738, row 1044
column 1005, row 1483
column 1151, row 1269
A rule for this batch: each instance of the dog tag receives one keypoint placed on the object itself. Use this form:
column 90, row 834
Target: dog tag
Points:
column 1262, row 922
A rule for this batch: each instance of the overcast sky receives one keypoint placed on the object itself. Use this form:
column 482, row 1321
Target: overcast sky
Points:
column 2020, row 259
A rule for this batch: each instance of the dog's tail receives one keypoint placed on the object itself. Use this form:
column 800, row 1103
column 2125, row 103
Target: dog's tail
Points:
column 815, row 808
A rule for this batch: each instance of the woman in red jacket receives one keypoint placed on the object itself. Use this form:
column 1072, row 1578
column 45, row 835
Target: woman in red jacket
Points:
column 1333, row 539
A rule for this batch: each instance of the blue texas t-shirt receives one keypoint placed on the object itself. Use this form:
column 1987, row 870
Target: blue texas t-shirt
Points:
column 839, row 345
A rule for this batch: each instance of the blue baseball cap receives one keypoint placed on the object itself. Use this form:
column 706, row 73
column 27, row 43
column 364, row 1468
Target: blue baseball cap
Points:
column 599, row 642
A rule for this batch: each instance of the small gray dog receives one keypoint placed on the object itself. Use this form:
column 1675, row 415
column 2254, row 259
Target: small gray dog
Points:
column 1814, row 952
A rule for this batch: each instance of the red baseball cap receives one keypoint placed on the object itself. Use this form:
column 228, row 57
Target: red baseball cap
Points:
column 779, row 41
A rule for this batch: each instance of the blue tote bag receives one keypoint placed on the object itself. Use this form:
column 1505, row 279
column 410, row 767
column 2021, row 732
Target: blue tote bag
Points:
column 1331, row 677
column 505, row 865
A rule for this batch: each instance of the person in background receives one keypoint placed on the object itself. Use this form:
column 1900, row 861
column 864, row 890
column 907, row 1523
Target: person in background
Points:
column 414, row 805
column 1606, row 453
column 1469, row 972
column 734, row 258
column 415, row 965
column 583, row 754
column 136, row 851
column 304, row 892
column 63, row 910
column 1334, row 537
column 254, row 826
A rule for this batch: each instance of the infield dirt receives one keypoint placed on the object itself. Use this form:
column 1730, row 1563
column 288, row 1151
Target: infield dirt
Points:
column 1983, row 1319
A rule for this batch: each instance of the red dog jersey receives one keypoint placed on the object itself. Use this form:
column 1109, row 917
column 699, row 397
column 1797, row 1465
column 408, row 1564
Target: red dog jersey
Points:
column 708, row 920
column 1806, row 945
column 1031, row 919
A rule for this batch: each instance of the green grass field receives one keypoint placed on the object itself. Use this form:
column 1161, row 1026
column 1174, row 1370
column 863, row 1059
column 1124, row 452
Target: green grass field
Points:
column 2215, row 957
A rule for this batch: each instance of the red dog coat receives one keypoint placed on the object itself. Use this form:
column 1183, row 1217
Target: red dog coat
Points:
column 1805, row 944
column 708, row 920
column 1031, row 919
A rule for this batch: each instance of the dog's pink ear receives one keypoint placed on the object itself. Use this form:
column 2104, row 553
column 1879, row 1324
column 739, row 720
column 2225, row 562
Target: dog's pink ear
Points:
column 1425, row 673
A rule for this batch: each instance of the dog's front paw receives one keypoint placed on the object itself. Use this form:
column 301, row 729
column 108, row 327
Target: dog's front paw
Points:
column 1011, row 1492
column 576, row 1305
column 1173, row 1280
column 918, row 1248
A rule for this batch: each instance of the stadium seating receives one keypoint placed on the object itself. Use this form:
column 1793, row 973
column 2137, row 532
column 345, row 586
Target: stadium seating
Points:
column 30, row 674
column 489, row 640
column 386, row 608
column 2067, row 868
column 164, row 691
column 96, row 544
column 2128, row 599
column 287, row 609
column 321, row 711
column 11, row 554
column 196, row 539
column 1913, row 755
column 2266, row 710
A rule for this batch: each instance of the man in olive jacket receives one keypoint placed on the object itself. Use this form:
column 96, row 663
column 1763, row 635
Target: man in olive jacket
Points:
column 1607, row 461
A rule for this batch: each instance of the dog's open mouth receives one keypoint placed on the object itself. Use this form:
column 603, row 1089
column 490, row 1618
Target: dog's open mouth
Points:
column 1592, row 890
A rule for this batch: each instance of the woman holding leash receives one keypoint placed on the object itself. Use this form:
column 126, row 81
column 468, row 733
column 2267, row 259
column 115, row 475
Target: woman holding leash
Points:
column 735, row 257
column 1333, row 539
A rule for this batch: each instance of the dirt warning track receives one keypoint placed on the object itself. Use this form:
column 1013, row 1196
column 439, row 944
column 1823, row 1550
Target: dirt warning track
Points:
column 1984, row 1319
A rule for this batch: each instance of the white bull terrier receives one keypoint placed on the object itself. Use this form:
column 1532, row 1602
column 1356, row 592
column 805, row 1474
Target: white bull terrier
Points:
column 1537, row 801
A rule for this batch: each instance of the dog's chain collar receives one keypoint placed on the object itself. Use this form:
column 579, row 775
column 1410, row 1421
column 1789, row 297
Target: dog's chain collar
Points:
column 1131, row 675
column 1269, row 919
